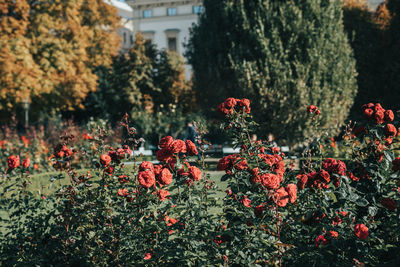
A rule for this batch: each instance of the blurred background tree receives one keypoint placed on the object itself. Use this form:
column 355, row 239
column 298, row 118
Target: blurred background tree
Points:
column 283, row 55
column 48, row 50
column 366, row 30
column 143, row 80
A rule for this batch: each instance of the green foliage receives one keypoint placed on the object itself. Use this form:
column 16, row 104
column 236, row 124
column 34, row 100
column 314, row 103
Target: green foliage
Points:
column 283, row 55
column 142, row 79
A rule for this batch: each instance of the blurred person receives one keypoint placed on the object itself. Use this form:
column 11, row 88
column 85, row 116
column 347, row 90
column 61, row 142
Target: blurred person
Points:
column 192, row 135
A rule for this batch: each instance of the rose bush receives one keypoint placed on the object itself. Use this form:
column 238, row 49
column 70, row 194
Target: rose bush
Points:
column 329, row 210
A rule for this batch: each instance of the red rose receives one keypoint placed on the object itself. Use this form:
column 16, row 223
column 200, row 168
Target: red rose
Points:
column 194, row 173
column 246, row 202
column 281, row 197
column 325, row 176
column 122, row 192
column 13, row 162
column 146, row 165
column 379, row 116
column 165, row 142
column 390, row 130
column 191, row 148
column 361, row 231
column 163, row 194
column 270, row 181
column 320, row 240
column 164, row 155
column 396, row 164
column 378, row 107
column 26, row 162
column 105, row 159
column 221, row 108
column 389, row 203
column 241, row 165
column 245, row 104
column 333, row 234
column 292, row 191
column 389, row 116
column 302, row 181
column 147, row 256
column 146, row 179
column 312, row 108
column 178, row 146
column 329, row 164
column 165, row 177
column 230, row 103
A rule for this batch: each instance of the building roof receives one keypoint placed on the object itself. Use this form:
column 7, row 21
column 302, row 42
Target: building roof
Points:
column 120, row 5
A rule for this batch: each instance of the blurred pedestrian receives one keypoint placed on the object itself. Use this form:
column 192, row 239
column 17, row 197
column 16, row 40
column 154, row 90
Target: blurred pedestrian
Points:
column 192, row 135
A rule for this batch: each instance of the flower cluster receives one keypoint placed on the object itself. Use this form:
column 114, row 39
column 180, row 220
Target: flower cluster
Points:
column 231, row 104
column 375, row 112
column 313, row 109
column 171, row 149
column 331, row 170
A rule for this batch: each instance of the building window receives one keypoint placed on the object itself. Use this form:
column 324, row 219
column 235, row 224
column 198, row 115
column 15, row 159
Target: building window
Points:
column 131, row 39
column 172, row 44
column 147, row 13
column 124, row 37
column 171, row 11
column 197, row 9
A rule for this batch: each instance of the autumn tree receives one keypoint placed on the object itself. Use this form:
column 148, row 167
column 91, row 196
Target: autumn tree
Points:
column 48, row 50
column 284, row 55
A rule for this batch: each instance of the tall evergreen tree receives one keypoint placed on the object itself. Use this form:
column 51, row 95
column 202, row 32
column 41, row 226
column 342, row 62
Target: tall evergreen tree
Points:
column 284, row 55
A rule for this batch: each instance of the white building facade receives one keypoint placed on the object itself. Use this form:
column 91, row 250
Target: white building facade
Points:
column 166, row 23
column 126, row 32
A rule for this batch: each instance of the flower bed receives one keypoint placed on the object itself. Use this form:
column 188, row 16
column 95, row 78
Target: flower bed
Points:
column 328, row 211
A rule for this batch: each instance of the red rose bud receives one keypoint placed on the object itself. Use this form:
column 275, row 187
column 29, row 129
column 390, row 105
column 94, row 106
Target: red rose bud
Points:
column 361, row 231
column 13, row 162
column 26, row 162
column 105, row 159
column 390, row 130
column 320, row 240
column 368, row 114
column 246, row 202
column 333, row 234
